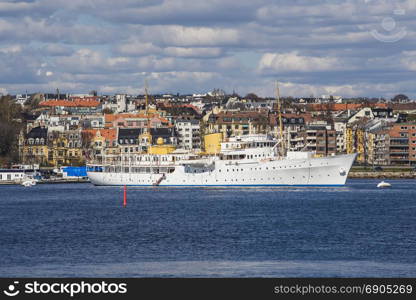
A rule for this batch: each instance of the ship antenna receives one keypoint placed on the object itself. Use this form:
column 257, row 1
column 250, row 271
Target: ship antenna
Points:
column 279, row 109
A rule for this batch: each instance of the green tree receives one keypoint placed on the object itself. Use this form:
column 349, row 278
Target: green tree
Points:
column 251, row 96
column 107, row 111
column 400, row 98
column 10, row 124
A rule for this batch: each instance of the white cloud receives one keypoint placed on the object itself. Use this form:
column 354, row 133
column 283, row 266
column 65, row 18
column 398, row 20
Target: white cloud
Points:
column 11, row 49
column 408, row 60
column 137, row 48
column 193, row 52
column 293, row 62
column 189, row 45
column 181, row 36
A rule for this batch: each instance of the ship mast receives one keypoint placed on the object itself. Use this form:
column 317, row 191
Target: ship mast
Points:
column 147, row 130
column 146, row 98
column 279, row 109
column 147, row 105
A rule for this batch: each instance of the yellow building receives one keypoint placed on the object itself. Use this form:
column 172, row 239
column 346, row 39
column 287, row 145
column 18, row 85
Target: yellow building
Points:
column 58, row 148
column 212, row 143
column 161, row 148
column 34, row 148
column 349, row 140
column 370, row 147
column 356, row 142
column 239, row 123
column 65, row 148
column 100, row 143
column 361, row 150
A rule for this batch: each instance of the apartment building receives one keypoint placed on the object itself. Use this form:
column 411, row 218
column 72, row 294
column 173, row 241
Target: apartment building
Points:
column 402, row 147
column 189, row 136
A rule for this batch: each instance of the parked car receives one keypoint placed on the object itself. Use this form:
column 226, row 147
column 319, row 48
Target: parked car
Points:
column 378, row 168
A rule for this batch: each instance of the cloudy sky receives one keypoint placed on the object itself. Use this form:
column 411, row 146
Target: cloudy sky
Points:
column 348, row 48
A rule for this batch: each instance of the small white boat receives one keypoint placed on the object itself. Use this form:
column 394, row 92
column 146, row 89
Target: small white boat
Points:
column 30, row 182
column 383, row 184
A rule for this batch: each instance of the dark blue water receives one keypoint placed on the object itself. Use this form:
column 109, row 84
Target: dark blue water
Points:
column 80, row 230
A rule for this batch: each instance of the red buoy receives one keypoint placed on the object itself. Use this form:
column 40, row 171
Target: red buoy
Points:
column 125, row 196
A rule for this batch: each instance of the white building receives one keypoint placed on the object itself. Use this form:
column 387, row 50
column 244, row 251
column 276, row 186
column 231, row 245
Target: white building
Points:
column 365, row 112
column 121, row 100
column 340, row 128
column 21, row 99
column 188, row 134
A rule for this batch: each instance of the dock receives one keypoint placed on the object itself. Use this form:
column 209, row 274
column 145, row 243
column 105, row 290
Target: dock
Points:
column 49, row 181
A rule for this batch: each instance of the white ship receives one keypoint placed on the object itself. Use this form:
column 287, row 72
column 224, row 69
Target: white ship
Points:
column 236, row 162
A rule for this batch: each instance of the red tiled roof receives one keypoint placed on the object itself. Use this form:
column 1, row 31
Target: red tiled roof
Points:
column 92, row 98
column 344, row 106
column 108, row 134
column 67, row 103
column 112, row 117
column 109, row 118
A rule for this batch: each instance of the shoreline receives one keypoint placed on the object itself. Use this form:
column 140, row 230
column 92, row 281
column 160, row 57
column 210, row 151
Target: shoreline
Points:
column 48, row 181
column 382, row 175
column 351, row 175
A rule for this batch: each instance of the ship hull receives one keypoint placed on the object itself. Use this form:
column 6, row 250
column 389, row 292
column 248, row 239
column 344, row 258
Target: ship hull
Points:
column 326, row 171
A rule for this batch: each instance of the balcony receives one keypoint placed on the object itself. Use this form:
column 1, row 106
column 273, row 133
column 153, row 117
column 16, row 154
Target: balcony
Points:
column 399, row 140
column 399, row 151
column 403, row 157
column 298, row 139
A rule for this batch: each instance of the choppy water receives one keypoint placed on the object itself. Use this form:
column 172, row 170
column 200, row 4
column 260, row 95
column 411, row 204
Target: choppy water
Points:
column 79, row 230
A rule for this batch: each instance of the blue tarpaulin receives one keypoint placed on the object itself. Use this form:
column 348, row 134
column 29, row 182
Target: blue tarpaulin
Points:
column 75, row 171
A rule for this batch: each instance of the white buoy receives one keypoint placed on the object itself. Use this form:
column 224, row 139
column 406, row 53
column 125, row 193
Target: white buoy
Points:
column 383, row 184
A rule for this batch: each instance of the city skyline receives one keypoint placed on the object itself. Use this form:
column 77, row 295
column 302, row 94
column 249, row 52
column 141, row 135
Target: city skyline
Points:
column 347, row 48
